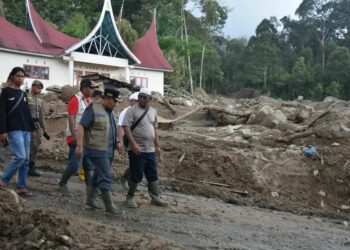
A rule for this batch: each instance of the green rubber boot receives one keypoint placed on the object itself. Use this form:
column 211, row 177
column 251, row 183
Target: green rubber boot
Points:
column 109, row 205
column 88, row 176
column 153, row 190
column 62, row 185
column 91, row 198
column 125, row 178
column 130, row 198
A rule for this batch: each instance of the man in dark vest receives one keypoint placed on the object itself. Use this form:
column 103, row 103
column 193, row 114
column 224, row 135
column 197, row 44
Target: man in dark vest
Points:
column 97, row 138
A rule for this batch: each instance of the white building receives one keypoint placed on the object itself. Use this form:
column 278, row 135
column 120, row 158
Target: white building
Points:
column 58, row 59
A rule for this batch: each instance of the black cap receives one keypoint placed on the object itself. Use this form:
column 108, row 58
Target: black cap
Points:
column 97, row 92
column 86, row 83
column 111, row 93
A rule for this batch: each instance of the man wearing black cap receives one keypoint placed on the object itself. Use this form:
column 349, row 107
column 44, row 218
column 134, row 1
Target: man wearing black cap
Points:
column 36, row 106
column 97, row 138
column 76, row 107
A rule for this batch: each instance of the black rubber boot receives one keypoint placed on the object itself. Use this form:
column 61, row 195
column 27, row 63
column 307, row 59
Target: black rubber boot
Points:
column 109, row 205
column 153, row 190
column 62, row 185
column 130, row 198
column 91, row 198
column 32, row 170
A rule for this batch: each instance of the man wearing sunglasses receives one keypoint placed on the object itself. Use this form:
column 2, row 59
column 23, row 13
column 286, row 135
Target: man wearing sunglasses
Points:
column 143, row 148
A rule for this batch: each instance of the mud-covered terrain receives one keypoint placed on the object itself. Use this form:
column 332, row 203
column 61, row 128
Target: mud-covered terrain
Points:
column 235, row 172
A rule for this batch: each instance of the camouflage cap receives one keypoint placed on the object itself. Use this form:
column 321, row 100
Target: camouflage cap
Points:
column 38, row 83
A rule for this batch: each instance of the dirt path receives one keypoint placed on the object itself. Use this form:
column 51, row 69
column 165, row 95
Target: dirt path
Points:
column 196, row 222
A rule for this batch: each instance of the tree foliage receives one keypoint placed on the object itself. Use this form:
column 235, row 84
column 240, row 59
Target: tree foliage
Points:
column 308, row 55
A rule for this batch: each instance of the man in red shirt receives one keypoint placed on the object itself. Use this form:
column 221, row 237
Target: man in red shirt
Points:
column 76, row 106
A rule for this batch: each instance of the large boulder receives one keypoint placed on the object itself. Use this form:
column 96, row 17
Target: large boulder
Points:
column 67, row 92
column 269, row 101
column 331, row 99
column 335, row 129
column 273, row 120
column 54, row 88
column 302, row 116
column 260, row 115
column 290, row 127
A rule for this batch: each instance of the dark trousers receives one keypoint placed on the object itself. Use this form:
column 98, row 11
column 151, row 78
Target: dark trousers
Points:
column 143, row 163
column 74, row 163
column 102, row 177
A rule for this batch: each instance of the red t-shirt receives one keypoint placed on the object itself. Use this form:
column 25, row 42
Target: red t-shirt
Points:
column 72, row 109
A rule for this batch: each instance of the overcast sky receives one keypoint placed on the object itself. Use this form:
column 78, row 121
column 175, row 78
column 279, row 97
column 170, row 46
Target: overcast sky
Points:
column 247, row 14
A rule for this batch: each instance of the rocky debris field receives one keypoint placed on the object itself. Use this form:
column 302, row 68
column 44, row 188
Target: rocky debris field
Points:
column 24, row 226
column 289, row 156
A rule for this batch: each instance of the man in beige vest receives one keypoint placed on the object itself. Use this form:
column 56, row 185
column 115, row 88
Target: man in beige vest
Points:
column 97, row 138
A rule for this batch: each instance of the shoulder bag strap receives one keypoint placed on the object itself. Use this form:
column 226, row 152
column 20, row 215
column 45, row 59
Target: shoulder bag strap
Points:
column 16, row 105
column 138, row 120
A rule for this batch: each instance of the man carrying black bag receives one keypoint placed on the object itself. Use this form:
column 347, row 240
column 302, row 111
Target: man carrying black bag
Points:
column 140, row 127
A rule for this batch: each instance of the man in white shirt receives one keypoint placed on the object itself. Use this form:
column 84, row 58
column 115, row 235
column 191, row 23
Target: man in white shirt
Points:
column 133, row 99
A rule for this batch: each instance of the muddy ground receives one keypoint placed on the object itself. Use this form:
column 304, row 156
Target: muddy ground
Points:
column 230, row 187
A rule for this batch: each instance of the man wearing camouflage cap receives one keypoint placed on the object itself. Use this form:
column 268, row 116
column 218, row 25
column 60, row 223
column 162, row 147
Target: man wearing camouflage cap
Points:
column 36, row 107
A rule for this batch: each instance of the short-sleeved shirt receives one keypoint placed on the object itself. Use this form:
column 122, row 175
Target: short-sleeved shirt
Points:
column 144, row 132
column 72, row 109
column 121, row 116
column 86, row 121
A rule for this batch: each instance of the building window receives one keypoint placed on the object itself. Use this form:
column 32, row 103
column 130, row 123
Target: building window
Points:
column 139, row 81
column 37, row 72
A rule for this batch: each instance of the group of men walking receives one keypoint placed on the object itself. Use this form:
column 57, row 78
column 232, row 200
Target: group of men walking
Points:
column 92, row 136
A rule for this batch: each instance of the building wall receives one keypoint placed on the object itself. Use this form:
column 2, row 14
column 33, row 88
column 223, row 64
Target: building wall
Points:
column 154, row 80
column 58, row 73
column 88, row 68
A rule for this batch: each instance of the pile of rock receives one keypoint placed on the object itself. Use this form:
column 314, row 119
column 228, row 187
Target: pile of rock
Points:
column 24, row 228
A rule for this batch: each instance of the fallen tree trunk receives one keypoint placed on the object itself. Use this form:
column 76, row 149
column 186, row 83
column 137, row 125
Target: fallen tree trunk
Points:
column 168, row 105
column 210, row 108
column 295, row 136
column 317, row 118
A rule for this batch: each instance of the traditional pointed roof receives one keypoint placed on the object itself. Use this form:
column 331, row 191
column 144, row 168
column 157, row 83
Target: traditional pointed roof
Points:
column 105, row 39
column 46, row 34
column 39, row 38
column 16, row 39
column 148, row 51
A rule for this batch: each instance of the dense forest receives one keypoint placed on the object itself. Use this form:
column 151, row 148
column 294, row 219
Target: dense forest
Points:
column 308, row 55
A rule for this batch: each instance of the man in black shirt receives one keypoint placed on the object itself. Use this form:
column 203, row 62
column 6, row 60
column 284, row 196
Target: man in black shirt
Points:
column 16, row 125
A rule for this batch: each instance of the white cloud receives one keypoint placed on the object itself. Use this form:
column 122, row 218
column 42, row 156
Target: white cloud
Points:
column 247, row 14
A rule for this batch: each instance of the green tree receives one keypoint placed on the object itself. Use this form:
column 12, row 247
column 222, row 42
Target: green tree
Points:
column 128, row 34
column 76, row 27
column 301, row 78
column 338, row 69
column 333, row 89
